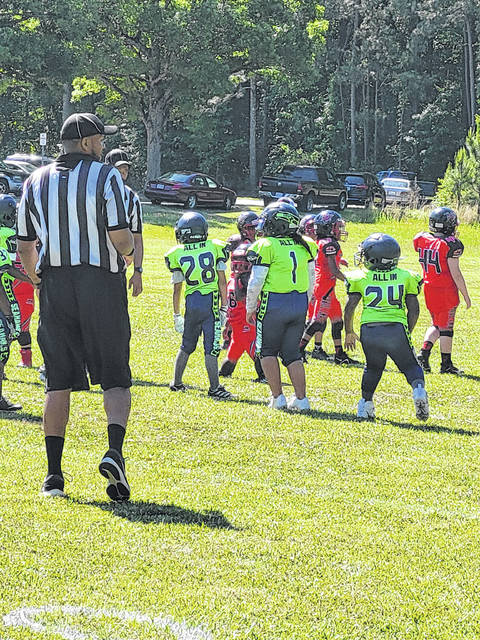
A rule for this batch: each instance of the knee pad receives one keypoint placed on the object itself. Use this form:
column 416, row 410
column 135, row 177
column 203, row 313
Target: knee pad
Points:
column 24, row 339
column 316, row 325
column 447, row 333
column 337, row 329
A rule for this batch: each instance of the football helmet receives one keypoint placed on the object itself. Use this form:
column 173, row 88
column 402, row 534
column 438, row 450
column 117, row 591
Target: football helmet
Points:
column 378, row 252
column 305, row 228
column 191, row 227
column 288, row 200
column 443, row 220
column 330, row 224
column 8, row 211
column 279, row 220
column 247, row 224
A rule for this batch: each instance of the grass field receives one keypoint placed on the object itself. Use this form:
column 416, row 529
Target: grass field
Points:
column 247, row 523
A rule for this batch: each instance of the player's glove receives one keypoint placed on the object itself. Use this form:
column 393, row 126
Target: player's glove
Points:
column 14, row 332
column 223, row 315
column 178, row 322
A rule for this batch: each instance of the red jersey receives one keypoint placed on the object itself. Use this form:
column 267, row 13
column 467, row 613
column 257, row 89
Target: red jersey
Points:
column 433, row 254
column 324, row 278
column 237, row 309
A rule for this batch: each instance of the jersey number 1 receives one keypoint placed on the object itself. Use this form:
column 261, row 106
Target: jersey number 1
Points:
column 293, row 256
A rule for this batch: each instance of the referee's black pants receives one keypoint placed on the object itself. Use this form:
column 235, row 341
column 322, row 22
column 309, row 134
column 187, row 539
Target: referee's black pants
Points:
column 382, row 339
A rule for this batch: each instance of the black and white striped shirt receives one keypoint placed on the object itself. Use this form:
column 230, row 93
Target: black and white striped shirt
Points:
column 70, row 205
column 134, row 210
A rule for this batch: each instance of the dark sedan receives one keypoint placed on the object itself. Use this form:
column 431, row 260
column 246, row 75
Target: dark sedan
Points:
column 363, row 188
column 190, row 189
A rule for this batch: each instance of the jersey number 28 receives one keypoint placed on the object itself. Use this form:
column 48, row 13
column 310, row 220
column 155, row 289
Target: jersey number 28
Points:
column 206, row 262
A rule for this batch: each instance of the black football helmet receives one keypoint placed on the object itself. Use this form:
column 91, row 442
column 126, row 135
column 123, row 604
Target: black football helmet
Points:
column 8, row 211
column 288, row 200
column 191, row 227
column 279, row 220
column 305, row 228
column 247, row 224
column 379, row 252
column 330, row 224
column 443, row 220
column 117, row 157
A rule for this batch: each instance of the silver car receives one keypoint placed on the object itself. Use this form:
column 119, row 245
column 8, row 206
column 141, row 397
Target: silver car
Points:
column 400, row 191
column 11, row 180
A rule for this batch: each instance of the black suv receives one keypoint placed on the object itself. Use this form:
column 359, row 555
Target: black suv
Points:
column 363, row 188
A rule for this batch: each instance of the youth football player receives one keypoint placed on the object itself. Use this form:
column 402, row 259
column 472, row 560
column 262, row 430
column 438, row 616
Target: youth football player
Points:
column 283, row 274
column 390, row 312
column 329, row 229
column 439, row 251
column 201, row 264
column 242, row 333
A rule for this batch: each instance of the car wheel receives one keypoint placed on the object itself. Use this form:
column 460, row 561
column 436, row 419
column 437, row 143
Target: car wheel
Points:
column 227, row 203
column 191, row 201
column 342, row 202
column 368, row 203
column 307, row 203
column 3, row 186
column 153, row 201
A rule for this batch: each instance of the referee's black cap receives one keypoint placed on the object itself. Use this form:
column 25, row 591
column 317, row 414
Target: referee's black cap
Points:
column 117, row 157
column 84, row 125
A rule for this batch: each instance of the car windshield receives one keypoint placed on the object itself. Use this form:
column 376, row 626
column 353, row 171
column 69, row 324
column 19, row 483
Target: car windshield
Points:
column 400, row 184
column 175, row 177
column 354, row 180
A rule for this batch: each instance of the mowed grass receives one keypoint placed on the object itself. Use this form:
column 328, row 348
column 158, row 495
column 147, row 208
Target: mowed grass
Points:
column 247, row 523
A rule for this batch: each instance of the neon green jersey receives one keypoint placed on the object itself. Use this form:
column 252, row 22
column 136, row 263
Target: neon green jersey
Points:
column 383, row 293
column 198, row 263
column 287, row 263
column 8, row 241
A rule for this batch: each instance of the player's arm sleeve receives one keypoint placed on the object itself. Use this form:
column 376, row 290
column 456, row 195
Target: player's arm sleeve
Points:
column 413, row 285
column 27, row 214
column 255, row 285
column 260, row 254
column 455, row 248
column 114, row 193
column 311, row 278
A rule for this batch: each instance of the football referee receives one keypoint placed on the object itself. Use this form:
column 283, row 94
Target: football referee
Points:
column 75, row 209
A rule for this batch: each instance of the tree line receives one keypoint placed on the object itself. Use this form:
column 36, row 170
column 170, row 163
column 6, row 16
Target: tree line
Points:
column 237, row 88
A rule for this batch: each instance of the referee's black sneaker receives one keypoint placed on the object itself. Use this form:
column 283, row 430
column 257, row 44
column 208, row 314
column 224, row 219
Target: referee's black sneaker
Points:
column 6, row 405
column 52, row 486
column 112, row 467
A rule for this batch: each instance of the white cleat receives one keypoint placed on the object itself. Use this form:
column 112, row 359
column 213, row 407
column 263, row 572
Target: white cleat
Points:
column 420, row 400
column 365, row 409
column 299, row 405
column 280, row 402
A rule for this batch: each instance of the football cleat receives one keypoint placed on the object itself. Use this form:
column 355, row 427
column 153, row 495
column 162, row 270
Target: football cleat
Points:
column 6, row 405
column 220, row 393
column 420, row 400
column 299, row 405
column 424, row 362
column 451, row 368
column 343, row 358
column 177, row 387
column 365, row 409
column 280, row 402
column 319, row 354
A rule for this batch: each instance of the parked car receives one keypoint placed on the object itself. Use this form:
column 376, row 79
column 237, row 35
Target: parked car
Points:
column 363, row 188
column 189, row 188
column 427, row 190
column 11, row 180
column 400, row 191
column 37, row 161
column 396, row 173
column 24, row 167
column 306, row 185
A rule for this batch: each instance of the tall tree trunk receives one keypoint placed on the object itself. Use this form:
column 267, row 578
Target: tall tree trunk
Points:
column 155, row 122
column 366, row 117
column 375, row 122
column 471, row 73
column 353, row 136
column 263, row 126
column 67, row 106
column 400, row 134
column 252, row 180
column 466, row 74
